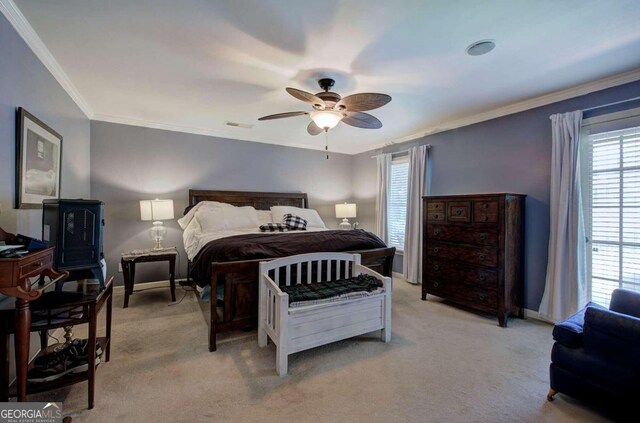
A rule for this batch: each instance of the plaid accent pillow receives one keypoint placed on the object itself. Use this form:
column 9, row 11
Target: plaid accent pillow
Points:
column 274, row 227
column 294, row 223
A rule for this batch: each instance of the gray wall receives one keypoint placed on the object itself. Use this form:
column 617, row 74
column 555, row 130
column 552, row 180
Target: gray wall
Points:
column 131, row 163
column 508, row 154
column 24, row 81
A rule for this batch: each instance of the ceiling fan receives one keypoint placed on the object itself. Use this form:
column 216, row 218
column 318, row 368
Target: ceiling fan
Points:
column 330, row 108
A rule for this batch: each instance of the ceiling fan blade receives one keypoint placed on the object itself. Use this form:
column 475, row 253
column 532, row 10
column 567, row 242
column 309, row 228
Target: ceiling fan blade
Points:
column 283, row 115
column 312, row 99
column 362, row 120
column 314, row 129
column 363, row 101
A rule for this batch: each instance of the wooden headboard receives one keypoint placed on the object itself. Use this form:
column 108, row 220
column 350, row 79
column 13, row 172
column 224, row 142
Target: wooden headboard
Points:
column 259, row 200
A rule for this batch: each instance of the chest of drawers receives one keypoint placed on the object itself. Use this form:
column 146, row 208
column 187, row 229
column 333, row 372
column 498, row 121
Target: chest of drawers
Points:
column 473, row 252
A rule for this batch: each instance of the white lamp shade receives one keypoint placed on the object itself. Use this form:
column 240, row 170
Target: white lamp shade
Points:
column 345, row 210
column 156, row 209
column 326, row 119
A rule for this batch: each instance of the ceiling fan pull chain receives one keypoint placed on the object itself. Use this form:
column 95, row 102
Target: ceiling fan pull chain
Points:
column 326, row 142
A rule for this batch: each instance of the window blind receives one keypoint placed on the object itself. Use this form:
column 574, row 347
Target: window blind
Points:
column 397, row 202
column 612, row 210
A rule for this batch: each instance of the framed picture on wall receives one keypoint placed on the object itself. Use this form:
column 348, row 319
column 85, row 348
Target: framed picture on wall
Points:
column 38, row 161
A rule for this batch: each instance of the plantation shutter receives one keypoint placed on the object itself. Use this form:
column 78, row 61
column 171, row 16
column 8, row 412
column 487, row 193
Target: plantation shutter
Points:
column 612, row 207
column 397, row 207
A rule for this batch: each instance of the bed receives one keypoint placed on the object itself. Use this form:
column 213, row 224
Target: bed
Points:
column 233, row 262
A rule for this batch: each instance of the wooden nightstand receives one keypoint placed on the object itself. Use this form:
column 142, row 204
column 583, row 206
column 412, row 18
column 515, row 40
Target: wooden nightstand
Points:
column 130, row 259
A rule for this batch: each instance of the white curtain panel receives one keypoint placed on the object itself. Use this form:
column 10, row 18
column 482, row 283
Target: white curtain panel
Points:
column 384, row 182
column 566, row 285
column 416, row 188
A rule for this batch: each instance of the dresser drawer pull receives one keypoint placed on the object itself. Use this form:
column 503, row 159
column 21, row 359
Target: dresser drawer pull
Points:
column 436, row 206
column 436, row 284
column 458, row 212
column 482, row 276
column 436, row 267
column 483, row 236
column 436, row 231
column 436, row 250
column 435, row 216
column 485, row 206
column 482, row 296
column 482, row 256
column 483, row 218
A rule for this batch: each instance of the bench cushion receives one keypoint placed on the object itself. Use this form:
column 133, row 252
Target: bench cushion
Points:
column 324, row 292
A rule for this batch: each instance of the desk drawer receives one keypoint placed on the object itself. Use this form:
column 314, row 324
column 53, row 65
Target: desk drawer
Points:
column 35, row 265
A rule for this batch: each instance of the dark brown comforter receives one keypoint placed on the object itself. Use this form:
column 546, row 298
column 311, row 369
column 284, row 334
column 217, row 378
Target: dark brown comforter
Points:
column 261, row 246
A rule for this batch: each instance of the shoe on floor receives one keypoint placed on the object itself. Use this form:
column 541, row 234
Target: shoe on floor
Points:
column 58, row 369
column 74, row 358
column 79, row 345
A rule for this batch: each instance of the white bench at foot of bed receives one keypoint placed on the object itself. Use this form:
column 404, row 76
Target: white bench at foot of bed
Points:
column 307, row 326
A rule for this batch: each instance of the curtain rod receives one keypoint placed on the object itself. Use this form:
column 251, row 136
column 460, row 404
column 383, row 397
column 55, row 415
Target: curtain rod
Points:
column 615, row 103
column 401, row 151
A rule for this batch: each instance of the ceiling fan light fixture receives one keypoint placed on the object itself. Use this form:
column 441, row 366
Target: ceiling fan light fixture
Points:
column 326, row 119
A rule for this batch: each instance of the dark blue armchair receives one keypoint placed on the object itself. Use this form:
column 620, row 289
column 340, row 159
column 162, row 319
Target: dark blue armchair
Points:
column 596, row 356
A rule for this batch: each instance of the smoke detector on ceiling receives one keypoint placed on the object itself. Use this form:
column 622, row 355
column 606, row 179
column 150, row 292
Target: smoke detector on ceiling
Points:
column 481, row 47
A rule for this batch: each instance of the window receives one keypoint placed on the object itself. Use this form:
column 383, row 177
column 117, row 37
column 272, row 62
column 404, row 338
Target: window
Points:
column 611, row 193
column 397, row 202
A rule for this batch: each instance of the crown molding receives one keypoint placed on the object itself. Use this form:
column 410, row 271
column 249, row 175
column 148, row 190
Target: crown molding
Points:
column 123, row 120
column 231, row 134
column 13, row 14
column 521, row 106
column 543, row 100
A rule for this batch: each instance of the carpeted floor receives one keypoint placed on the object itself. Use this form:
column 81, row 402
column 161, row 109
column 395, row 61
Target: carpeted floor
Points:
column 443, row 365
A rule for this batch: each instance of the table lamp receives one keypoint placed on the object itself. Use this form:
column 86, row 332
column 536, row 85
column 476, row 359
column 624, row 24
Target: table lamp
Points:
column 156, row 210
column 345, row 211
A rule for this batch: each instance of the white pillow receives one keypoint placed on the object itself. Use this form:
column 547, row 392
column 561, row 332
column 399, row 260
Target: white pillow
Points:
column 219, row 219
column 186, row 219
column 310, row 215
column 264, row 216
column 215, row 204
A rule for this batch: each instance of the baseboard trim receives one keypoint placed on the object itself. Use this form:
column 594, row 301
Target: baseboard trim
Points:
column 528, row 314
column 532, row 314
column 153, row 284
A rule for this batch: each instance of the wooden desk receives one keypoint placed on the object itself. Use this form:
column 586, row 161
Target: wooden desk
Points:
column 82, row 310
column 15, row 274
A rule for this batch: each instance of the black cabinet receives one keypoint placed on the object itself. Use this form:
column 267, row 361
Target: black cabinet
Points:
column 75, row 229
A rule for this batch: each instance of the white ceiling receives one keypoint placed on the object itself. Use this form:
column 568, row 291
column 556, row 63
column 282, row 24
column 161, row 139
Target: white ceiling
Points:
column 191, row 65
